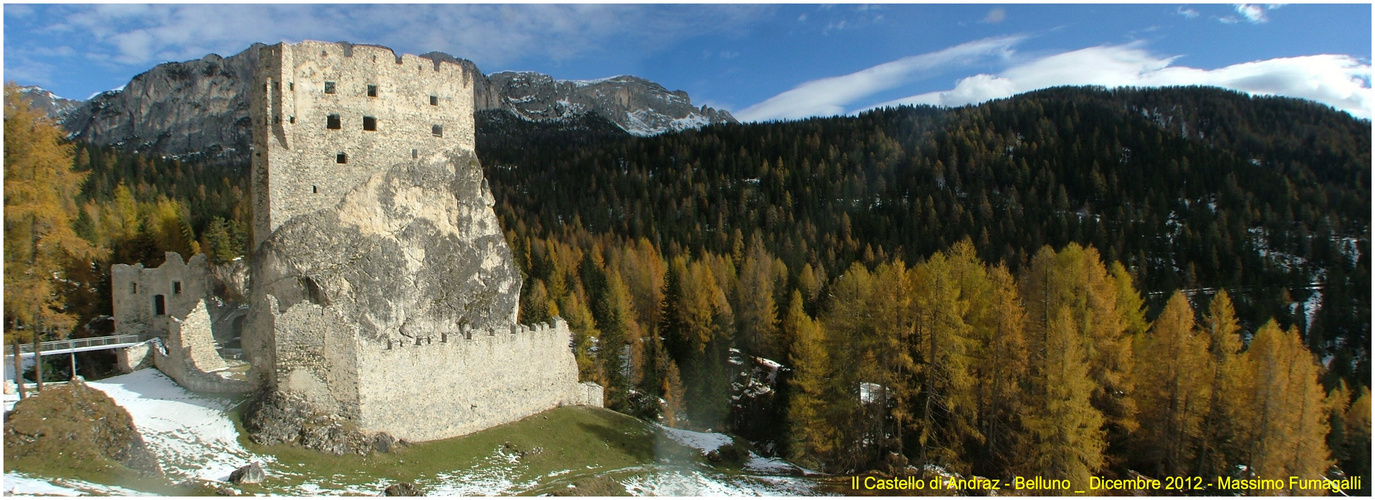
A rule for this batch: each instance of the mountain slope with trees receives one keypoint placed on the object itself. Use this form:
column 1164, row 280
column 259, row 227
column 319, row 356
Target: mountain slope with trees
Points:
column 981, row 288
column 1111, row 217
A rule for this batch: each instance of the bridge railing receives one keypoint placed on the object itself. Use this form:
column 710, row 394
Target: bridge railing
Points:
column 79, row 343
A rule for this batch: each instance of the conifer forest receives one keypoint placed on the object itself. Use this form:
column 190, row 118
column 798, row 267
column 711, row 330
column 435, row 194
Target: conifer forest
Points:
column 1067, row 283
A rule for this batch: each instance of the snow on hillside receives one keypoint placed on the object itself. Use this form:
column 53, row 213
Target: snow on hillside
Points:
column 191, row 435
column 704, row 441
column 194, row 437
column 698, row 483
column 18, row 483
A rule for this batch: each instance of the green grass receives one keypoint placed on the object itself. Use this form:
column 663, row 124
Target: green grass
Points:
column 563, row 451
column 543, row 453
column 103, row 472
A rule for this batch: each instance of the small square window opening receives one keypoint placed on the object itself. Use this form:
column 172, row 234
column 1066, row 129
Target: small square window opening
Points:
column 329, row 87
column 437, row 130
column 434, row 100
column 332, row 122
column 372, row 91
column 341, row 158
column 369, row 123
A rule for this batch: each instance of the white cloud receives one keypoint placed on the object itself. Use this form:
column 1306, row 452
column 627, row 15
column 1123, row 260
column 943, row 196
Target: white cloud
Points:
column 28, row 71
column 493, row 35
column 1340, row 81
column 1253, row 13
column 831, row 96
column 995, row 16
column 1187, row 12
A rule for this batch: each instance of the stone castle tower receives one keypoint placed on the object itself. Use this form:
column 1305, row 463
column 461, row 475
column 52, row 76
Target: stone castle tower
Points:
column 384, row 293
column 329, row 115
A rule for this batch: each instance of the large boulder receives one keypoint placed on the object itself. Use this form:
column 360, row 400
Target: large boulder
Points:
column 248, row 474
column 402, row 490
column 413, row 252
column 75, row 426
column 411, row 255
column 273, row 417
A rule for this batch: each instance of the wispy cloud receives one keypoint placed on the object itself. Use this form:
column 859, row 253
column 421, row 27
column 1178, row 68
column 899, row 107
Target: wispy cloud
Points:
column 831, row 96
column 140, row 35
column 1251, row 13
column 1187, row 12
column 995, row 16
column 855, row 18
column 1340, row 81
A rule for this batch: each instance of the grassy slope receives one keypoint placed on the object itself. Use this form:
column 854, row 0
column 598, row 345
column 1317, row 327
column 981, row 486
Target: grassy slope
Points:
column 569, row 450
column 543, row 453
column 77, row 424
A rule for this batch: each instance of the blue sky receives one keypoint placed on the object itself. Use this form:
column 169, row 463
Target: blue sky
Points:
column 760, row 62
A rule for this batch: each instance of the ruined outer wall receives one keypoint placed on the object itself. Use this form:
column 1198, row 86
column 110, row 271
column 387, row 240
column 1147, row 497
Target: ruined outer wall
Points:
column 316, row 359
column 454, row 385
column 189, row 356
column 295, row 156
column 133, row 290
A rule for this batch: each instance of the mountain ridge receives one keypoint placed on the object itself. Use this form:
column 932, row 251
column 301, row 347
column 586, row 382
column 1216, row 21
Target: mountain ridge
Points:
column 199, row 108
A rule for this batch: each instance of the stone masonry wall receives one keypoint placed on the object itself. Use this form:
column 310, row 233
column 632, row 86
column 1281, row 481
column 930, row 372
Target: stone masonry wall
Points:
column 135, row 291
column 451, row 384
column 189, row 356
column 316, row 358
column 297, row 166
column 135, row 357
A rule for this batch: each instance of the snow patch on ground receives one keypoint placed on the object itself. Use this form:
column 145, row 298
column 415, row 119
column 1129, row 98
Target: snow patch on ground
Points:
column 492, row 476
column 191, row 434
column 770, row 465
column 695, row 483
column 585, row 83
column 1312, row 306
column 704, row 441
column 17, row 483
column 193, row 437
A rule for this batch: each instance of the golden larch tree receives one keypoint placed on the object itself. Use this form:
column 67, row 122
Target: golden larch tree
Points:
column 40, row 193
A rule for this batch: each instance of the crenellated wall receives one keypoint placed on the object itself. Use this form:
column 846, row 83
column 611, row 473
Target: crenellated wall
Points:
column 466, row 381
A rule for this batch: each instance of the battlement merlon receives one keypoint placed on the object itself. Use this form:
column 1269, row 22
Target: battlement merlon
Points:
column 556, row 327
column 326, row 116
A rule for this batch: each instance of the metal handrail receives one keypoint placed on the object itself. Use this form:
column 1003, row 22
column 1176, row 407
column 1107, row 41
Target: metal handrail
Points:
column 54, row 345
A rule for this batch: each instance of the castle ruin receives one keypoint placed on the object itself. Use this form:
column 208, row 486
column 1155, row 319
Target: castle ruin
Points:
column 146, row 300
column 384, row 293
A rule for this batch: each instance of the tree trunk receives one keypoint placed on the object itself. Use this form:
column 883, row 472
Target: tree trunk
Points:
column 38, row 355
column 18, row 368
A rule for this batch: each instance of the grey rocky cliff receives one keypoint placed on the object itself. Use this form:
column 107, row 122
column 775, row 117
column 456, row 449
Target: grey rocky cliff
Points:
column 200, row 107
column 414, row 248
column 414, row 252
column 178, row 108
column 48, row 103
column 638, row 106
